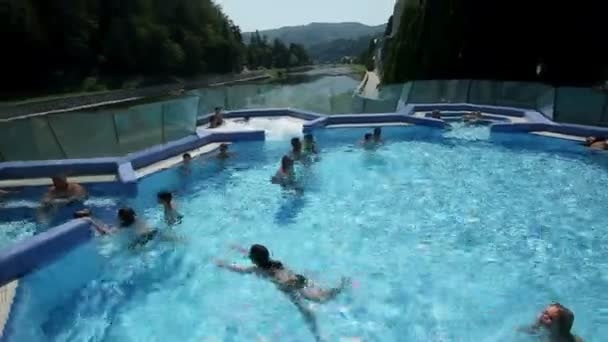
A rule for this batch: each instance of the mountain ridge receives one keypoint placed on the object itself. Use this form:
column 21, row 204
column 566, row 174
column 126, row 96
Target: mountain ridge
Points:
column 318, row 32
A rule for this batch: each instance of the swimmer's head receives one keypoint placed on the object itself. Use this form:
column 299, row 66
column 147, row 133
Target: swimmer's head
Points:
column 186, row 157
column 436, row 114
column 367, row 137
column 126, row 216
column 296, row 144
column 246, row 118
column 60, row 182
column 218, row 110
column 82, row 213
column 260, row 256
column 286, row 163
column 224, row 148
column 308, row 138
column 557, row 319
column 164, row 197
column 377, row 132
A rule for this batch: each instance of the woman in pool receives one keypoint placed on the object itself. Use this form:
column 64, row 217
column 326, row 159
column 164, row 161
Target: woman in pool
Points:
column 172, row 216
column 556, row 321
column 143, row 233
column 296, row 286
column 285, row 176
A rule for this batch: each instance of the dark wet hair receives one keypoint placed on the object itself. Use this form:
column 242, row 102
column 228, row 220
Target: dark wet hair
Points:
column 186, row 155
column 165, row 196
column 217, row 109
column 296, row 143
column 246, row 118
column 224, row 146
column 368, row 136
column 260, row 256
column 565, row 319
column 126, row 216
column 377, row 131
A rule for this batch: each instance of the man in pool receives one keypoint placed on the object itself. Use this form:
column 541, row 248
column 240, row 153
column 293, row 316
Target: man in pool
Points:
column 596, row 143
column 310, row 146
column 473, row 117
column 436, row 114
column 556, row 321
column 223, row 154
column 296, row 149
column 367, row 142
column 63, row 192
column 143, row 233
column 172, row 216
column 296, row 286
column 217, row 119
column 377, row 136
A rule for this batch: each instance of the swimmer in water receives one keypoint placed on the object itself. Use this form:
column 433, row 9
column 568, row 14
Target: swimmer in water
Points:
column 310, row 146
column 186, row 158
column 473, row 117
column 172, row 216
column 377, row 136
column 285, row 176
column 556, row 321
column 596, row 143
column 143, row 233
column 223, row 154
column 296, row 149
column 367, row 142
column 296, row 286
column 100, row 228
column 436, row 114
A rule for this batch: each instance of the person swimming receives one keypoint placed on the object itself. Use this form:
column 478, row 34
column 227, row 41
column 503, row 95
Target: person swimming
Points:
column 310, row 146
column 436, row 115
column 285, row 176
column 377, row 135
column 473, row 117
column 223, row 154
column 172, row 216
column 186, row 158
column 556, row 320
column 296, row 286
column 367, row 142
column 296, row 149
column 143, row 233
column 596, row 143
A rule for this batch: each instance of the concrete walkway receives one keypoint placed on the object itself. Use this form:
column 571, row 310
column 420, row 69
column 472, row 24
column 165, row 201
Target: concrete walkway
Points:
column 369, row 85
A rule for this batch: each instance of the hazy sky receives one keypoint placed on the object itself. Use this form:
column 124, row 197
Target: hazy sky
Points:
column 266, row 14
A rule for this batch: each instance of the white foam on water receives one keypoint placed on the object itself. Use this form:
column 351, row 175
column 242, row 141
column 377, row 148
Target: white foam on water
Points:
column 277, row 128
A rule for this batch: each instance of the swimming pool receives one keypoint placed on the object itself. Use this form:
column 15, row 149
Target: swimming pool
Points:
column 445, row 238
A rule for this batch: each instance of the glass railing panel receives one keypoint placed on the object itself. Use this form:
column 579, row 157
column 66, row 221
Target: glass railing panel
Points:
column 583, row 106
column 86, row 134
column 139, row 127
column 179, row 117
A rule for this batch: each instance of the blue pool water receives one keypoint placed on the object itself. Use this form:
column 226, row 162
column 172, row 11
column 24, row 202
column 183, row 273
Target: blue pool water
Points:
column 445, row 238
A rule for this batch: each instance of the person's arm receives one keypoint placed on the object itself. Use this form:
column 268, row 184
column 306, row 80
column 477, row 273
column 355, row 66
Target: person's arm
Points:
column 241, row 250
column 235, row 268
column 101, row 229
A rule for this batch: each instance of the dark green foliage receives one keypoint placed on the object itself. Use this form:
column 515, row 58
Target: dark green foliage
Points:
column 58, row 44
column 501, row 39
column 261, row 54
column 336, row 50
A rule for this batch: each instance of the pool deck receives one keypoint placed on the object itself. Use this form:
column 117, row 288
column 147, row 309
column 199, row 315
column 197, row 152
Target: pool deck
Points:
column 369, row 125
column 560, row 136
column 511, row 119
column 175, row 160
column 10, row 183
column 7, row 295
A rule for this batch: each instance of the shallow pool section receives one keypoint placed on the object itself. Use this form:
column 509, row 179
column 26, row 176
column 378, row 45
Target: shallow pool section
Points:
column 445, row 239
column 275, row 128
